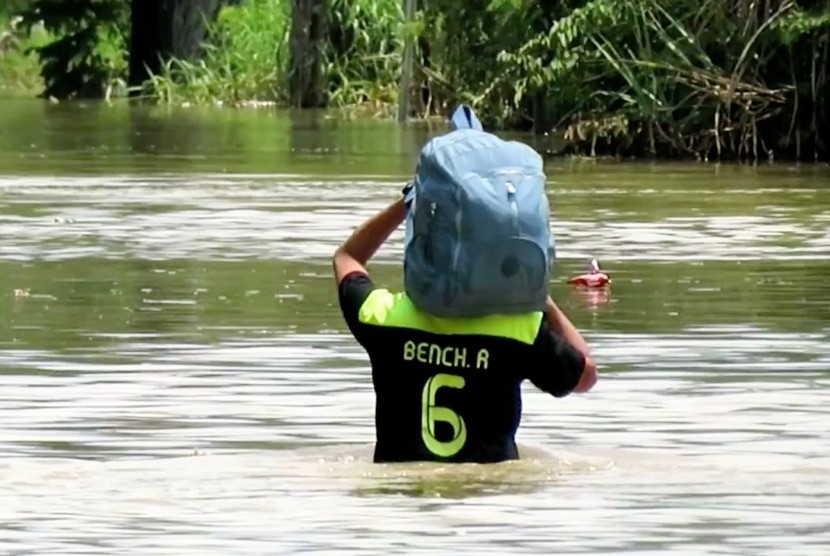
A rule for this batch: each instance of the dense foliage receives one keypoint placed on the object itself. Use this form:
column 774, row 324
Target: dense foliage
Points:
column 87, row 53
column 700, row 78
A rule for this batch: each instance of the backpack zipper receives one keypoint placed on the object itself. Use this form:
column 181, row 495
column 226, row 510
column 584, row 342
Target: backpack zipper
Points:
column 511, row 194
column 457, row 230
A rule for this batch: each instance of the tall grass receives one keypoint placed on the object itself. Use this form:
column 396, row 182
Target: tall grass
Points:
column 363, row 57
column 459, row 44
column 245, row 59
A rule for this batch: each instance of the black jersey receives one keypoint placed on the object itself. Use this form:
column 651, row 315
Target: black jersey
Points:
column 449, row 389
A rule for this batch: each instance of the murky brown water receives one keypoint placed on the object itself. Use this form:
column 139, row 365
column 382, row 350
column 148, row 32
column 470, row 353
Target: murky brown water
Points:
column 177, row 379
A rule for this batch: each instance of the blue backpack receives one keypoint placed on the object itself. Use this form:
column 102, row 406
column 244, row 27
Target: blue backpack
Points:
column 478, row 238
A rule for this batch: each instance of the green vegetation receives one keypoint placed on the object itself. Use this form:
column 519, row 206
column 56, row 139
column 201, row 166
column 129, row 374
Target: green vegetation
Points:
column 19, row 68
column 716, row 77
column 668, row 78
column 246, row 58
column 44, row 52
column 362, row 61
column 243, row 61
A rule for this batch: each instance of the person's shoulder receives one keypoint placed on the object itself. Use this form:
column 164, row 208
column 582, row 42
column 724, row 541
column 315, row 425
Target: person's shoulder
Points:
column 355, row 278
column 366, row 303
column 352, row 291
column 385, row 307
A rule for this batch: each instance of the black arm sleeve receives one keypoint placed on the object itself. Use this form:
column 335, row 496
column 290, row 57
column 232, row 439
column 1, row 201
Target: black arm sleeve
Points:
column 557, row 365
column 352, row 292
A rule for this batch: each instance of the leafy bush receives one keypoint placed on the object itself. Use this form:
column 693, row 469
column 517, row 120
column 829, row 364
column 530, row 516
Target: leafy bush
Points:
column 88, row 53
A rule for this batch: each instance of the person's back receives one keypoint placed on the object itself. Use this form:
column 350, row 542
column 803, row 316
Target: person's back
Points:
column 448, row 389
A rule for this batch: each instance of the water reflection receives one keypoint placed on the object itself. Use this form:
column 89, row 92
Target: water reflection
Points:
column 314, row 135
column 592, row 297
column 149, row 133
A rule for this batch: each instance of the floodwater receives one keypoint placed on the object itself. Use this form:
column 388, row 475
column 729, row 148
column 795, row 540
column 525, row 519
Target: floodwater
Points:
column 176, row 379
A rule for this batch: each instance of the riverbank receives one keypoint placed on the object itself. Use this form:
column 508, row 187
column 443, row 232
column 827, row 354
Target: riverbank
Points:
column 718, row 81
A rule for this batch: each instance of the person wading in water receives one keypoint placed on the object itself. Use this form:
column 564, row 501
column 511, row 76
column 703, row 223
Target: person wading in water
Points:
column 447, row 388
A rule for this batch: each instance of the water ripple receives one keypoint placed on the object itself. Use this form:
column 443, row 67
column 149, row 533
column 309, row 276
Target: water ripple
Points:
column 222, row 217
column 167, row 439
column 176, row 378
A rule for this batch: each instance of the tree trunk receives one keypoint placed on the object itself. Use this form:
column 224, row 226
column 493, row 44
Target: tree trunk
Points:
column 188, row 20
column 542, row 110
column 145, row 40
column 308, row 33
column 164, row 29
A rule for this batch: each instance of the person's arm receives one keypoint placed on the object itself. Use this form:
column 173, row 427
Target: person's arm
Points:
column 353, row 255
column 559, row 323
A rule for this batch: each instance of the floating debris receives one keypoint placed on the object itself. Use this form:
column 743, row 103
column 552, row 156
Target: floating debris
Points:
column 593, row 278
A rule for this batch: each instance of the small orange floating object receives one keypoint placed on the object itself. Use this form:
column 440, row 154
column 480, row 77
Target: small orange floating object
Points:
column 594, row 278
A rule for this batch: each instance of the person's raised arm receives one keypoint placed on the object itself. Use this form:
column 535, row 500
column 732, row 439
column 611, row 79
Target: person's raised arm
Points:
column 353, row 255
column 559, row 323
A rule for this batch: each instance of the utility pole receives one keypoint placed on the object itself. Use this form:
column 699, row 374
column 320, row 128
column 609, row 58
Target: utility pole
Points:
column 409, row 7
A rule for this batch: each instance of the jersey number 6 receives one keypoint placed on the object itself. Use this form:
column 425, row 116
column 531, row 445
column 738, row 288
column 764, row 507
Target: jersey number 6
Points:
column 430, row 413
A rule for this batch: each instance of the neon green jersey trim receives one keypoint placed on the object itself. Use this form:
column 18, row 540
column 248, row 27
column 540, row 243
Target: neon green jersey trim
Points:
column 396, row 310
